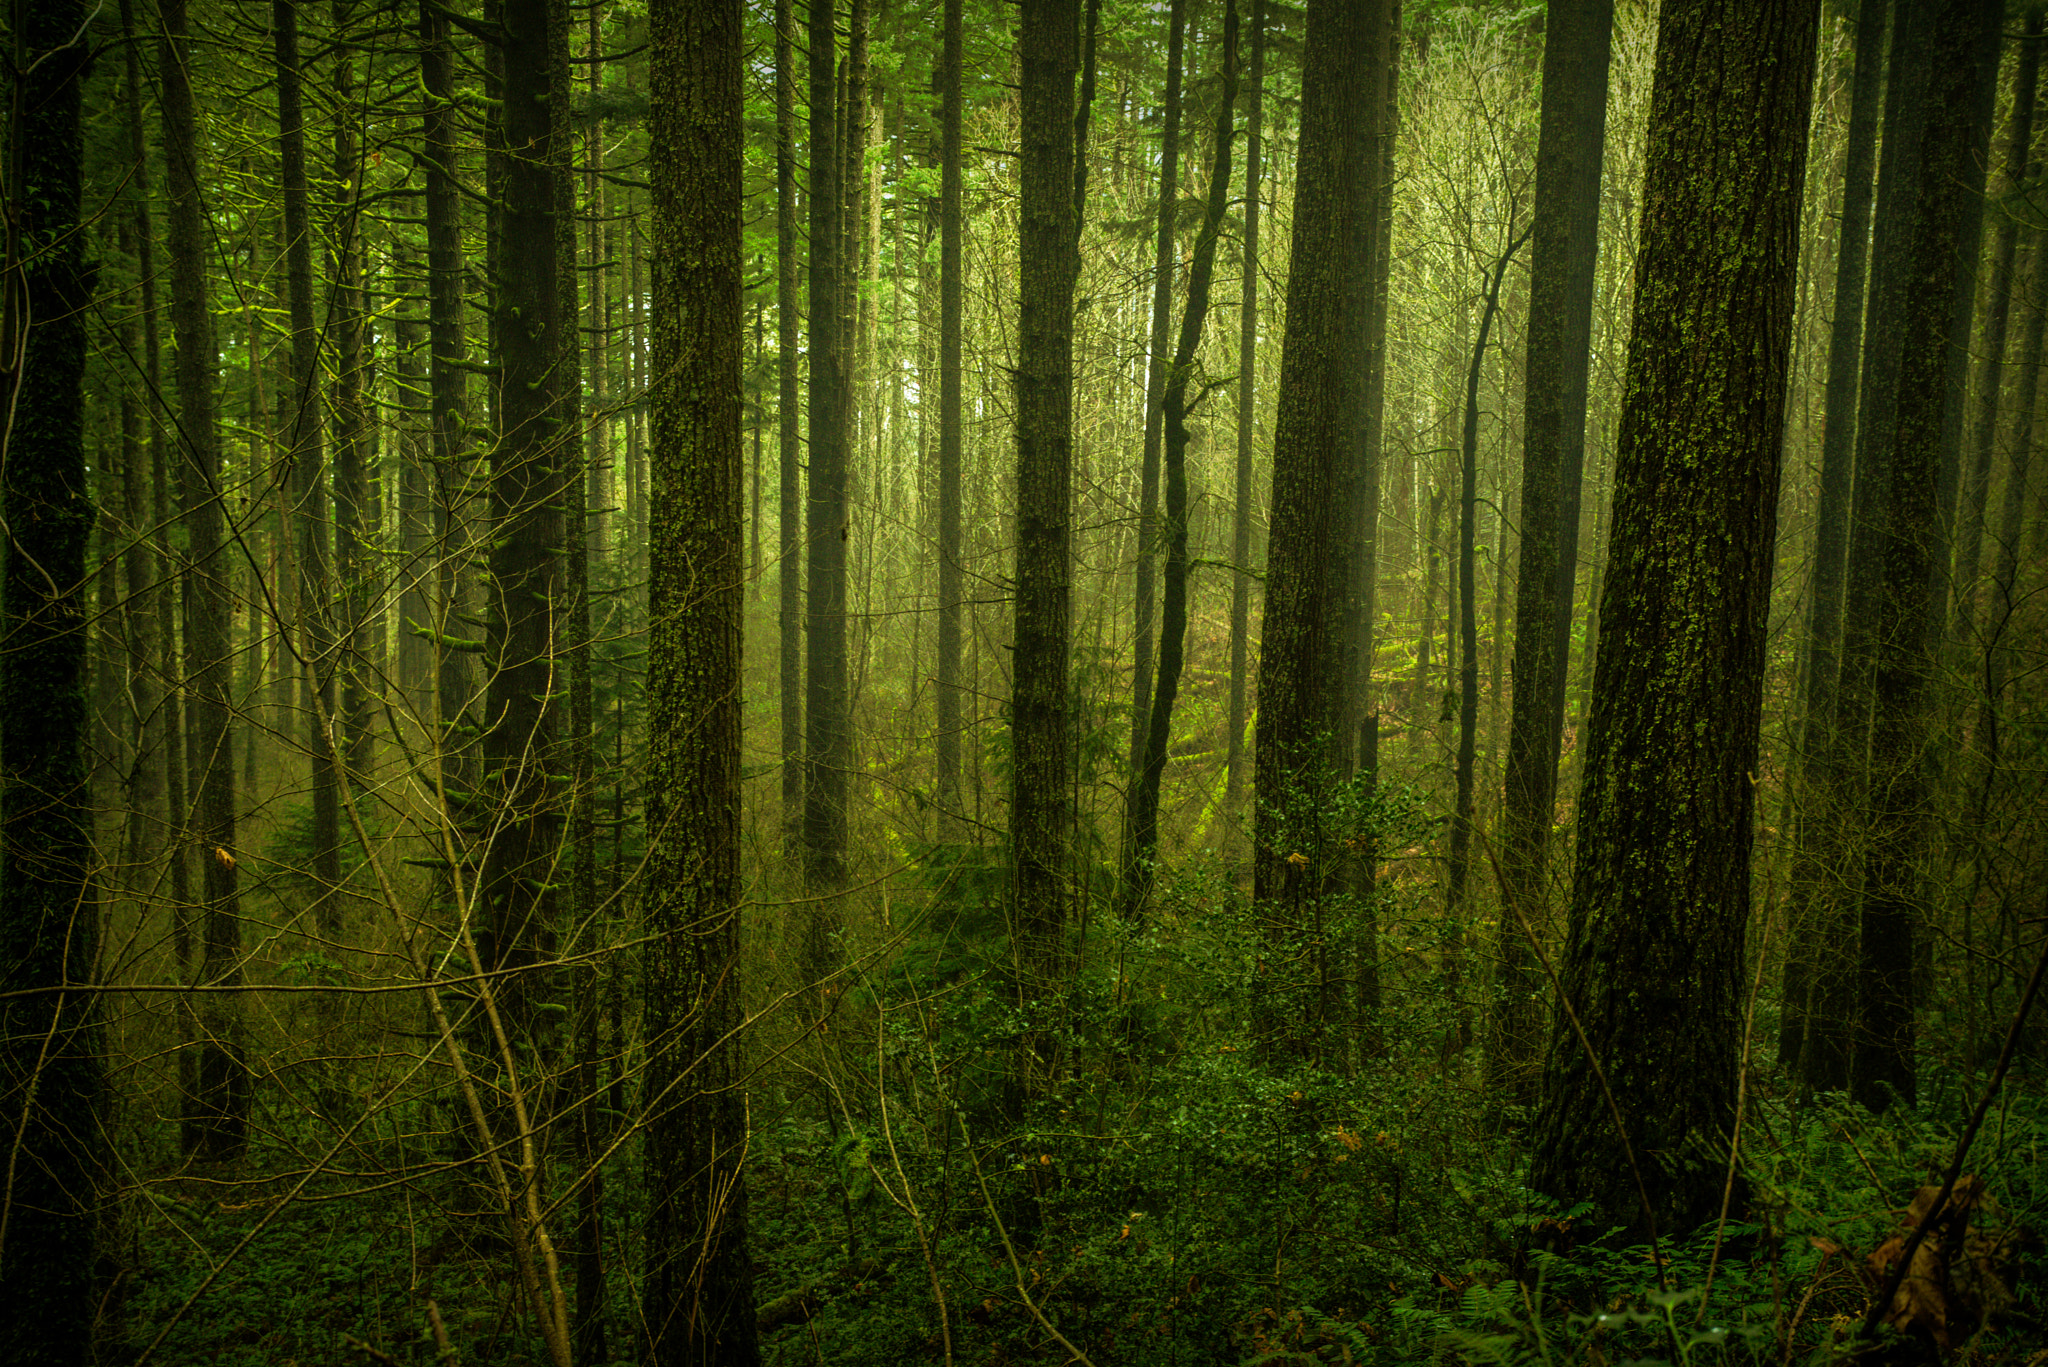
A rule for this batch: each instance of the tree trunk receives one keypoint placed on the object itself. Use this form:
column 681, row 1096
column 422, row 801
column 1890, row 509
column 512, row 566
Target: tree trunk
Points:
column 448, row 390
column 1908, row 537
column 951, row 289
column 1298, row 758
column 146, row 505
column 828, row 734
column 354, row 443
column 1142, row 833
column 1460, row 864
column 789, row 451
column 1563, row 253
column 1156, row 365
column 528, row 487
column 1818, row 1000
column 216, row 1129
column 1247, row 421
column 1983, row 433
column 699, row 1273
column 1654, row 971
column 52, row 1079
column 1041, row 726
column 301, row 421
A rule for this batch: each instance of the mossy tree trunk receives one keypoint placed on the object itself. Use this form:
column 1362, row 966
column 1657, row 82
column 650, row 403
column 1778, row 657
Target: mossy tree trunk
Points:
column 1654, row 970
column 1041, row 724
column 699, row 1286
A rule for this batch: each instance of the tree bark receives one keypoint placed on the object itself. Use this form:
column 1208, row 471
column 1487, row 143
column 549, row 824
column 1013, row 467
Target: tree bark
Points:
column 1654, row 971
column 788, row 429
column 699, row 1280
column 217, row 1125
column 1818, row 1000
column 1156, row 366
column 951, row 290
column 52, row 1078
column 529, row 472
column 1298, row 756
column 1564, row 250
column 1142, row 833
column 828, row 734
column 448, row 390
column 1247, row 420
column 1907, row 538
column 302, row 425
column 1041, row 724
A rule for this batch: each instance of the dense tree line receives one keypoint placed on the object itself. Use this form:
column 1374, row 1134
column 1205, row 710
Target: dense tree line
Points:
column 711, row 682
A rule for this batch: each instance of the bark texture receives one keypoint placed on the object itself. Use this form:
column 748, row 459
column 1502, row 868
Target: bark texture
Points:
column 1661, row 890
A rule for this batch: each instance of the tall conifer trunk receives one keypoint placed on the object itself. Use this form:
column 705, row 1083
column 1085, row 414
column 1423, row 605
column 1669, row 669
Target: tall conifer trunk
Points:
column 529, row 471
column 301, row 423
column 52, row 1079
column 1818, row 1003
column 1655, row 969
column 216, row 1127
column 1142, row 834
column 1247, row 420
column 699, row 1285
column 1157, row 364
column 951, row 609
column 828, row 737
column 1041, row 723
column 1298, row 753
column 448, row 392
column 788, row 430
column 1563, row 252
column 1908, row 539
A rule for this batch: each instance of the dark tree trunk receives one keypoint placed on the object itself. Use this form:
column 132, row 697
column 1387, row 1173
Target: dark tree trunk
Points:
column 1298, row 756
column 1458, row 889
column 1819, row 1001
column 1654, row 971
column 1908, row 536
column 1156, row 365
column 1842, row 754
column 415, row 461
column 448, row 391
column 147, row 505
column 1142, row 833
column 1247, row 421
column 301, row 422
column 529, row 475
column 1041, row 726
column 1563, row 252
column 354, row 444
column 950, row 297
column 828, row 731
column 52, row 1080
column 216, row 1127
column 698, row 1269
column 788, row 429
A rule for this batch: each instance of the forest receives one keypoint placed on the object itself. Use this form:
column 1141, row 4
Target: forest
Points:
column 1016, row 682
